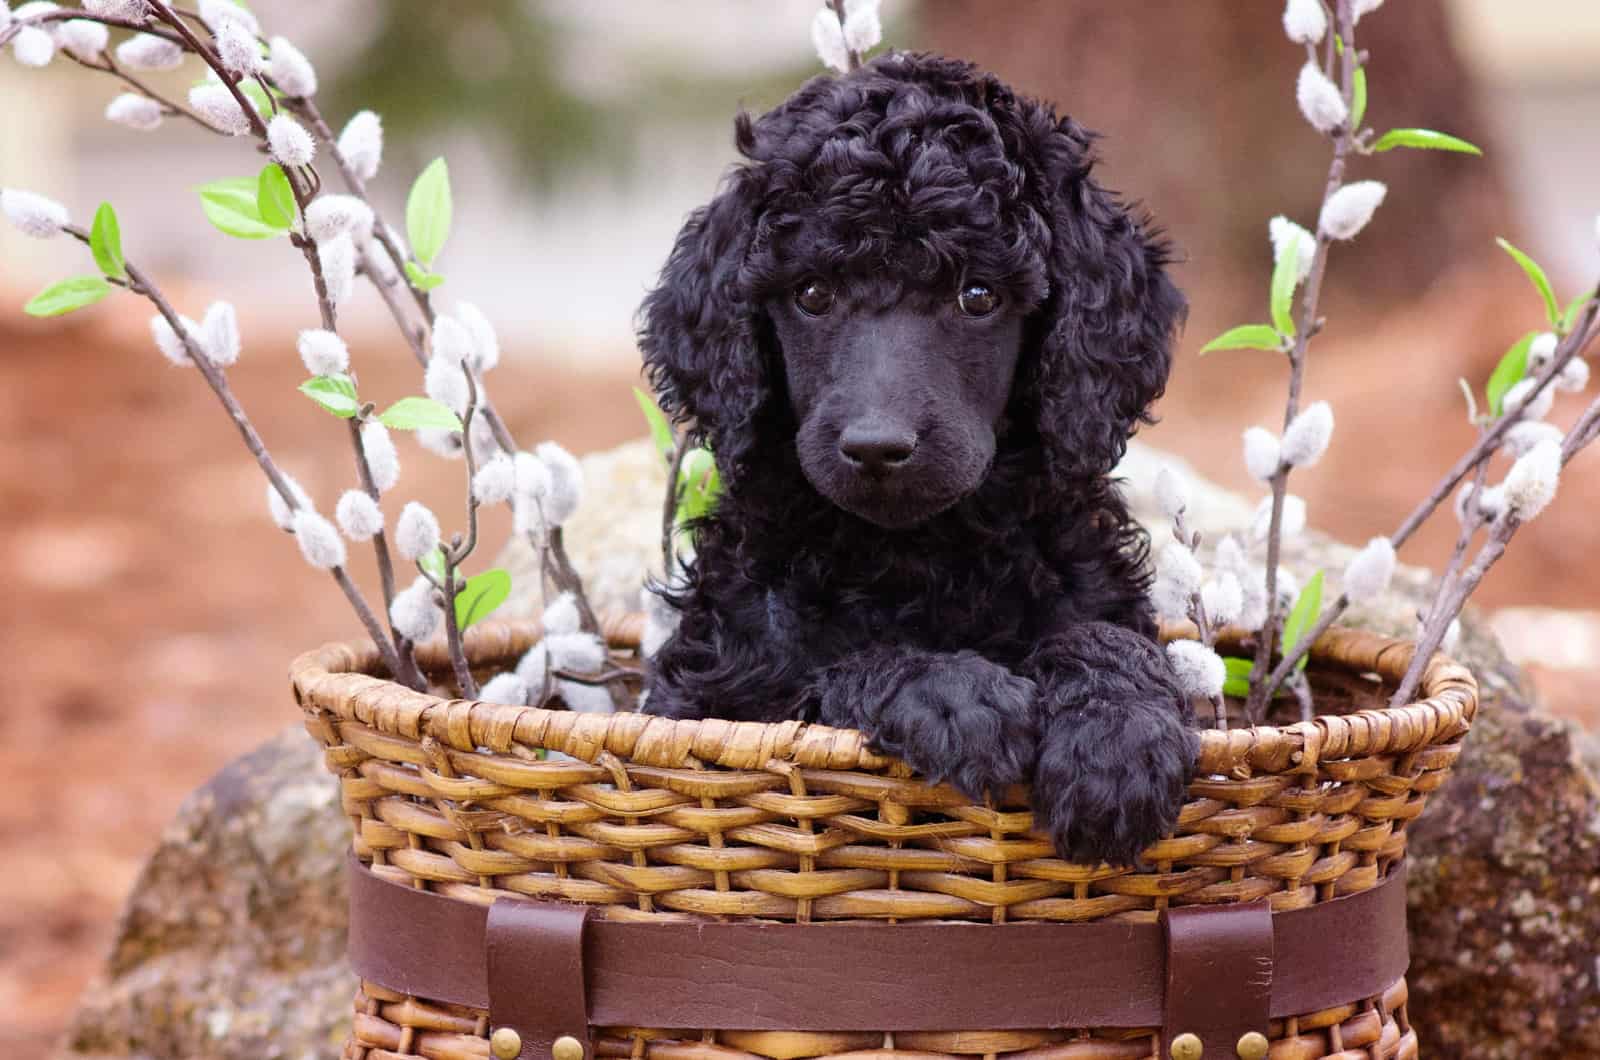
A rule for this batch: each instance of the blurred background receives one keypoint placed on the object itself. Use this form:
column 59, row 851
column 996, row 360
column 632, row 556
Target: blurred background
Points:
column 152, row 609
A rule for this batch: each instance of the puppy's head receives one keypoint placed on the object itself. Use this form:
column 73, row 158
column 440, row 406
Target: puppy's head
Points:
column 912, row 271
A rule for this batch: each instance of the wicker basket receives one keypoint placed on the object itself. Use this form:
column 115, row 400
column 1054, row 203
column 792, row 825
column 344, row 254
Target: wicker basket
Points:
column 659, row 819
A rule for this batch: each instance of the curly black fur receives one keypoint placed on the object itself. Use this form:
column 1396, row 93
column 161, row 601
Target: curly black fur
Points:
column 1001, row 631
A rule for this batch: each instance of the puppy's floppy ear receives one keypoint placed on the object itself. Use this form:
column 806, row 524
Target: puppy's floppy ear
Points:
column 1104, row 335
column 703, row 337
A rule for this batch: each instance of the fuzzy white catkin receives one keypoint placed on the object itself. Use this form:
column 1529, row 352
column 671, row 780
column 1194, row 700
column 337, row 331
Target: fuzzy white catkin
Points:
column 416, row 533
column 582, row 653
column 1282, row 231
column 660, row 622
column 281, row 513
column 1200, row 671
column 134, row 111
column 1486, row 503
column 1253, row 615
column 382, row 460
column 561, row 616
column 5, row 14
column 1347, row 210
column 377, row 263
column 1574, row 376
column 863, row 28
column 33, row 47
column 291, row 71
column 338, row 267
column 1452, row 637
column 358, row 515
column 1223, row 598
column 532, row 490
column 237, row 48
column 1229, row 556
column 1306, row 438
column 290, row 142
column 1367, row 575
column 221, row 111
column 1540, row 350
column 566, row 482
column 319, row 542
column 1521, row 398
column 1172, row 492
column 1262, row 453
column 33, row 215
column 827, row 37
column 1320, row 100
column 127, row 10
column 85, row 39
column 507, row 689
column 323, row 352
column 1524, row 435
column 446, row 382
column 1304, row 21
column 414, row 614
column 146, row 51
column 361, row 144
column 1293, row 518
column 534, row 668
column 167, row 341
column 217, row 13
column 330, row 216
column 440, row 441
column 219, row 334
column 1531, row 483
column 585, row 699
column 1363, row 7
column 451, row 341
column 495, row 481
column 485, row 343
column 1177, row 579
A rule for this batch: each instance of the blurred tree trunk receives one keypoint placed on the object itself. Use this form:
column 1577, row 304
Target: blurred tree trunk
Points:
column 1195, row 99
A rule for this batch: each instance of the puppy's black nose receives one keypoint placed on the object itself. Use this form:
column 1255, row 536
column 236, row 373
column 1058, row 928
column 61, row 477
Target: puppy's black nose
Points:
column 876, row 447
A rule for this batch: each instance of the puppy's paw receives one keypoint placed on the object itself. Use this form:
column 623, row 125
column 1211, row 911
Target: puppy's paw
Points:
column 1110, row 782
column 961, row 719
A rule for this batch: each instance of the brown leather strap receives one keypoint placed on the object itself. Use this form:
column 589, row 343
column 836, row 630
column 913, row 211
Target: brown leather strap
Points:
column 537, row 983
column 858, row 976
column 1219, row 975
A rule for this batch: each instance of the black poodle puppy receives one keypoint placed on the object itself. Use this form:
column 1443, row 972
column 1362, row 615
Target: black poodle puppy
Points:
column 917, row 335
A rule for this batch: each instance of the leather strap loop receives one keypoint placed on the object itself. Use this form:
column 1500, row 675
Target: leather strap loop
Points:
column 1219, row 975
column 537, row 983
column 850, row 976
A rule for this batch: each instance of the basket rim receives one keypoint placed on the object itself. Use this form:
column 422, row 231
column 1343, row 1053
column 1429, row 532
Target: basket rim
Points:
column 337, row 681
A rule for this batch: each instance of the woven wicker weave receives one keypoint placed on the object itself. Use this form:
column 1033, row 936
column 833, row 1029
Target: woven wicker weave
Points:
column 662, row 818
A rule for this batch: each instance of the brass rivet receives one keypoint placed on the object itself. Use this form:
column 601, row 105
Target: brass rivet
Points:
column 506, row 1044
column 1187, row 1047
column 567, row 1048
column 1252, row 1046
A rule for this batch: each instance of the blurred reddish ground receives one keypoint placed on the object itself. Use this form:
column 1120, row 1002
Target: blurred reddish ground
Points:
column 152, row 609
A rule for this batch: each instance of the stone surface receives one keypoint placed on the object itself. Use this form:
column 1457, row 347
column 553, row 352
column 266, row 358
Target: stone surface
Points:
column 231, row 943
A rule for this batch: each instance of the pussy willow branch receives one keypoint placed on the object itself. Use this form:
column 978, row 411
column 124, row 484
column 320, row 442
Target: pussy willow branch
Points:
column 837, row 7
column 669, row 509
column 141, row 284
column 1260, row 692
column 209, row 57
column 1584, row 331
column 110, row 66
column 458, row 550
column 74, row 14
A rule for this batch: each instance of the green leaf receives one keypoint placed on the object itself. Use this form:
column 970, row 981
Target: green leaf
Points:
column 660, row 429
column 415, row 413
column 433, row 563
column 1512, row 367
column 428, row 212
column 481, row 595
column 1237, row 683
column 1358, row 101
column 105, row 242
column 1424, row 138
column 336, row 393
column 257, row 97
column 230, row 206
column 1285, row 274
column 1246, row 337
column 1303, row 616
column 1569, row 316
column 1540, row 280
column 421, row 278
column 275, row 203
column 698, row 484
column 66, row 296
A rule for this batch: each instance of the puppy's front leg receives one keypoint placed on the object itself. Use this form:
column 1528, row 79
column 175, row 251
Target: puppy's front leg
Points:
column 1116, row 749
column 953, row 717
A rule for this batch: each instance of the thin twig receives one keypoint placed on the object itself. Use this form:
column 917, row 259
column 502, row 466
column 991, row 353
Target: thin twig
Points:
column 669, row 510
column 854, row 56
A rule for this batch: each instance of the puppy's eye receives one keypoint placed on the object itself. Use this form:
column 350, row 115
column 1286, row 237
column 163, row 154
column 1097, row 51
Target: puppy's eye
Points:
column 978, row 300
column 815, row 297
